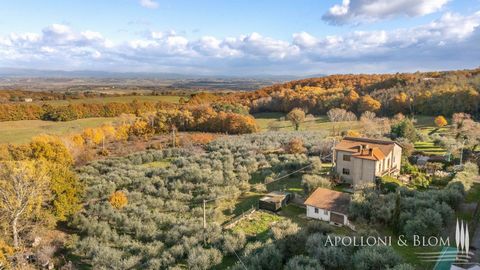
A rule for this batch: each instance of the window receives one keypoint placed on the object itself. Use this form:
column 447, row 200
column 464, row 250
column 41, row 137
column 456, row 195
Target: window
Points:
column 325, row 212
column 316, row 210
column 346, row 157
column 346, row 171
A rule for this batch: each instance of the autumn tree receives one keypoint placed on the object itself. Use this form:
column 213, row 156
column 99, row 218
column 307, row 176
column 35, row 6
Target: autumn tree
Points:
column 64, row 185
column 296, row 116
column 118, row 199
column 351, row 99
column 23, row 191
column 141, row 129
column 440, row 121
column 295, row 146
column 367, row 103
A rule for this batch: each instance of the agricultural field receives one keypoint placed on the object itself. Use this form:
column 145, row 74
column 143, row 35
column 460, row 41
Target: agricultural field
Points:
column 121, row 99
column 23, row 131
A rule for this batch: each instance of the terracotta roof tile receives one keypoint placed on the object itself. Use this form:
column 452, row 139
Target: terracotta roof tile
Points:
column 380, row 148
column 330, row 200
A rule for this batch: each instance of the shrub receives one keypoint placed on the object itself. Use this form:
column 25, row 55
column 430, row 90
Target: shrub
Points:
column 375, row 257
column 310, row 182
column 302, row 262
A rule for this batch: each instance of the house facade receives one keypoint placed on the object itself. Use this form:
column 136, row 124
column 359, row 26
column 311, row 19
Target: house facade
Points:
column 328, row 205
column 358, row 161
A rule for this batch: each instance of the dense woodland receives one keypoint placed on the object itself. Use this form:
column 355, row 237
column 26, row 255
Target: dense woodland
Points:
column 429, row 93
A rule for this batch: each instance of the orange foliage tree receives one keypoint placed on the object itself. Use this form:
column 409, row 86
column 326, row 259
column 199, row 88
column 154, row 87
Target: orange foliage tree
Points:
column 440, row 121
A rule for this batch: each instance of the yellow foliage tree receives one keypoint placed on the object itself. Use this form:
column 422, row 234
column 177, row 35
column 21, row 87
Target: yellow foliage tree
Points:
column 122, row 131
column 353, row 133
column 118, row 199
column 142, row 129
column 77, row 140
column 51, row 148
column 351, row 98
column 5, row 252
column 23, row 192
column 93, row 135
column 108, row 131
column 440, row 121
column 367, row 103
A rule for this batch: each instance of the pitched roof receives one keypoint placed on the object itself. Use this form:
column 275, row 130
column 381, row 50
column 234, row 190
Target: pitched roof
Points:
column 375, row 154
column 329, row 199
column 379, row 148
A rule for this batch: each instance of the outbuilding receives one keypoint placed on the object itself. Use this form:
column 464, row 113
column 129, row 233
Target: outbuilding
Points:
column 328, row 205
column 274, row 201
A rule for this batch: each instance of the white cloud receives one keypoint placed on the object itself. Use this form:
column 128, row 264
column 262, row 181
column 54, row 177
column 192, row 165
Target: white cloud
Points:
column 149, row 4
column 357, row 11
column 448, row 42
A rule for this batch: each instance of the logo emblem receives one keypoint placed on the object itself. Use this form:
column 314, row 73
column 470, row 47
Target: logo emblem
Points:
column 462, row 238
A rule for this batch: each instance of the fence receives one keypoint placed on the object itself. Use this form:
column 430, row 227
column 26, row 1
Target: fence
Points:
column 231, row 223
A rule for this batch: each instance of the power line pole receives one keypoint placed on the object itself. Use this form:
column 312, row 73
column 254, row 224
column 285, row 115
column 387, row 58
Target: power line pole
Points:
column 461, row 152
column 204, row 222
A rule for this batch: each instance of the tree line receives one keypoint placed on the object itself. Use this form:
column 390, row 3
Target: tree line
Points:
column 430, row 93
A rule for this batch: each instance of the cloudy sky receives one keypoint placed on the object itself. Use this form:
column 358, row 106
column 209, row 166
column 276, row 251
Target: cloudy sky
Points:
column 240, row 37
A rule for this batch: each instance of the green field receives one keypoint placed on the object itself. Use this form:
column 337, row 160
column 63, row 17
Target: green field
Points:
column 315, row 123
column 23, row 131
column 121, row 99
column 258, row 225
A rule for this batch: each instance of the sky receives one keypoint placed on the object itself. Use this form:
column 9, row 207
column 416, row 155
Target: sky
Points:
column 240, row 37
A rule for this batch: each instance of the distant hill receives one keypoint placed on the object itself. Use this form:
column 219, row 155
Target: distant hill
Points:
column 39, row 73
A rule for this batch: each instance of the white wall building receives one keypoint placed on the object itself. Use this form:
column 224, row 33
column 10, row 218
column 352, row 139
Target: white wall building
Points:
column 328, row 205
column 359, row 160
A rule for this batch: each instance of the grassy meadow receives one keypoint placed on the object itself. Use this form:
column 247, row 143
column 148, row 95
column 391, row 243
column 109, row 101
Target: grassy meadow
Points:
column 315, row 123
column 23, row 131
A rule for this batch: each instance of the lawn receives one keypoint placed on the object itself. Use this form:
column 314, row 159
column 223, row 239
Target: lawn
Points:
column 317, row 123
column 257, row 225
column 295, row 213
column 292, row 183
column 120, row 99
column 23, row 131
column 246, row 202
column 429, row 148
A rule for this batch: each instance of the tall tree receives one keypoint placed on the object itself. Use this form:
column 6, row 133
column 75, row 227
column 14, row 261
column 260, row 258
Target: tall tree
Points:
column 296, row 116
column 23, row 190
